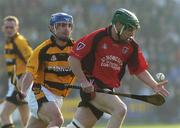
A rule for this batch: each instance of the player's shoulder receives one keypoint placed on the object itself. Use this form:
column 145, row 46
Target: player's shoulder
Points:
column 97, row 31
column 91, row 35
column 20, row 38
column 42, row 45
column 20, row 41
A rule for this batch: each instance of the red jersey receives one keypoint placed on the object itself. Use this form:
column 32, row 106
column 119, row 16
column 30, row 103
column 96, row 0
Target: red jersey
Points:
column 109, row 57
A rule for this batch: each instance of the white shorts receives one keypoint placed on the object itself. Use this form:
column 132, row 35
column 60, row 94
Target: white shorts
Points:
column 33, row 104
column 11, row 88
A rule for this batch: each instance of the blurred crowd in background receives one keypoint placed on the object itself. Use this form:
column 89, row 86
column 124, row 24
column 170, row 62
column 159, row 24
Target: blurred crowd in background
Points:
column 159, row 38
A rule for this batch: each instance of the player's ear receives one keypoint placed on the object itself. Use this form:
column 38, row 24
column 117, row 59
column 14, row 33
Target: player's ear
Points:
column 17, row 27
column 51, row 28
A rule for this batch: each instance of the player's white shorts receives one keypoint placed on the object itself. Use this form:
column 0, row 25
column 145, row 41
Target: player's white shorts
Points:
column 11, row 95
column 33, row 103
column 11, row 88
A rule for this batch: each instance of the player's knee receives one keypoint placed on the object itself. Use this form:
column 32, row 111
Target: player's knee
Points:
column 59, row 120
column 56, row 120
column 24, row 121
column 121, row 111
column 124, row 109
column 75, row 124
column 4, row 116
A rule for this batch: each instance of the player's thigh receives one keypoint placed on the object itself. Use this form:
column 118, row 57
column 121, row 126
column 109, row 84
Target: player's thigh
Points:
column 49, row 111
column 85, row 116
column 108, row 103
column 8, row 108
column 24, row 110
column 36, row 123
column 24, row 113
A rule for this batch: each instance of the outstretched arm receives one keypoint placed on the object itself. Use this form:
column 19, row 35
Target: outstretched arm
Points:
column 146, row 77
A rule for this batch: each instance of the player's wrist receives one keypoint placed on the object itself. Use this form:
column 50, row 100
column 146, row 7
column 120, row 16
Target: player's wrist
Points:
column 23, row 91
column 84, row 81
column 22, row 95
column 156, row 89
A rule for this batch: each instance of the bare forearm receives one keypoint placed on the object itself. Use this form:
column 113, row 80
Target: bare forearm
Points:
column 26, row 82
column 78, row 72
column 147, row 79
column 76, row 68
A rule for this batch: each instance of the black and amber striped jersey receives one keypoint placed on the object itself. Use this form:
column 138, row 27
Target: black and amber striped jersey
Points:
column 17, row 52
column 50, row 68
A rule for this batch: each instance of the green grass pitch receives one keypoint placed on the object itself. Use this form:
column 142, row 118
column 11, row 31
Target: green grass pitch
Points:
column 149, row 126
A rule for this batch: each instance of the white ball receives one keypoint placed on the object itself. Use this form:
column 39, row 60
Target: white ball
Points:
column 160, row 76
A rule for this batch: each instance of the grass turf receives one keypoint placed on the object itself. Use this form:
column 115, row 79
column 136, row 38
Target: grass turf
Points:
column 139, row 126
column 148, row 126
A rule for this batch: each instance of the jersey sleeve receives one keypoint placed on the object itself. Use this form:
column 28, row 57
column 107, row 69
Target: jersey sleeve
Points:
column 82, row 47
column 141, row 64
column 24, row 48
column 33, row 62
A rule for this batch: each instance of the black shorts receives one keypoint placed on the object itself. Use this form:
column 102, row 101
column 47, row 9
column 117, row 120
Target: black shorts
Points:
column 13, row 99
column 86, row 97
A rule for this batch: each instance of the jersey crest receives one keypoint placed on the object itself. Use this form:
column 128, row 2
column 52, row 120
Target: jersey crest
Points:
column 53, row 58
column 80, row 46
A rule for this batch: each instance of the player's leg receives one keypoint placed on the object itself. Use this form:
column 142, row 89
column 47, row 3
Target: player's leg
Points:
column 86, row 114
column 9, row 106
column 6, row 115
column 36, row 123
column 48, row 106
column 24, row 113
column 83, row 118
column 112, row 105
column 50, row 112
column 101, row 103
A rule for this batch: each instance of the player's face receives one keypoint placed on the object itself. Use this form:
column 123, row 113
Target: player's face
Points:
column 63, row 29
column 127, row 32
column 10, row 28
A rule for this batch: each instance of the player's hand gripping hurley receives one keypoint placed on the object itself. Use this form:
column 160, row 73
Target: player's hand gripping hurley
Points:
column 14, row 82
column 155, row 99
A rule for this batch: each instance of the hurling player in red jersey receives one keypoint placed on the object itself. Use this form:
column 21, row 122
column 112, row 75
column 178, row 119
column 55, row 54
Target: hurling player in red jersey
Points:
column 99, row 60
